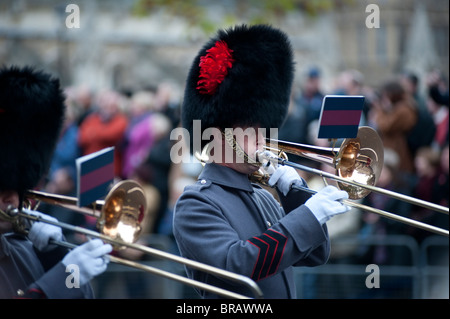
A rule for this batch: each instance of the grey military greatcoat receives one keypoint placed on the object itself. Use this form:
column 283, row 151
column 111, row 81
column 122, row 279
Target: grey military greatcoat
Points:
column 226, row 221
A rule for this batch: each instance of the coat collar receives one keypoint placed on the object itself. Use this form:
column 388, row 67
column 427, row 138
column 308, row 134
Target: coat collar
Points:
column 4, row 246
column 225, row 176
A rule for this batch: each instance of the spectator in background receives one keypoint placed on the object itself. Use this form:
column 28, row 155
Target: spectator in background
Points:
column 104, row 127
column 427, row 164
column 441, row 193
column 67, row 149
column 431, row 186
column 83, row 100
column 393, row 116
column 167, row 102
column 309, row 102
column 423, row 132
column 437, row 104
column 148, row 173
column 159, row 163
column 138, row 138
column 165, row 118
column 293, row 129
column 410, row 82
column 438, row 88
column 351, row 82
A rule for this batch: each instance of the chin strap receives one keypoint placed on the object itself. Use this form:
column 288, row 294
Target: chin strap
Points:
column 231, row 141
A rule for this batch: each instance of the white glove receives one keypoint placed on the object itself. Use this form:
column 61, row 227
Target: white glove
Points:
column 41, row 232
column 90, row 259
column 283, row 178
column 325, row 203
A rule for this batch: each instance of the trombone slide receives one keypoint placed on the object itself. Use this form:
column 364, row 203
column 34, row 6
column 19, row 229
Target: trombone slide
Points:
column 407, row 221
column 239, row 279
column 411, row 222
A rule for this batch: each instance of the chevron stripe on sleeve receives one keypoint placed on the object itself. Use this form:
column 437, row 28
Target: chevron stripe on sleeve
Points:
column 271, row 246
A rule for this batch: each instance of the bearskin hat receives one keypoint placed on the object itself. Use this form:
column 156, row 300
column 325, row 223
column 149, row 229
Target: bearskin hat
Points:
column 241, row 77
column 31, row 115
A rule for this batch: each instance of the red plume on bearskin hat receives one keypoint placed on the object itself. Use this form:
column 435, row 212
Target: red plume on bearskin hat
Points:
column 241, row 77
column 31, row 115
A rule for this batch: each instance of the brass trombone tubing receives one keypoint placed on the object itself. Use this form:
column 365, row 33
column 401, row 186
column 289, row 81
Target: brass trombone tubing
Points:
column 67, row 202
column 398, row 218
column 162, row 273
column 406, row 198
column 240, row 279
column 325, row 155
column 404, row 220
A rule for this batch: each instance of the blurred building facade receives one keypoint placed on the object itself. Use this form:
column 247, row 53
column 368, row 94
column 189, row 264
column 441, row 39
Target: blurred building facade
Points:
column 113, row 47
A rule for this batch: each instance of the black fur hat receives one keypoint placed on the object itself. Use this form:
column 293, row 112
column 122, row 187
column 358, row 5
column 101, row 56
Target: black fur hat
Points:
column 31, row 115
column 241, row 77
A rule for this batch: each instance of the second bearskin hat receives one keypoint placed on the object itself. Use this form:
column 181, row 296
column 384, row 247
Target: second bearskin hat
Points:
column 241, row 77
column 31, row 116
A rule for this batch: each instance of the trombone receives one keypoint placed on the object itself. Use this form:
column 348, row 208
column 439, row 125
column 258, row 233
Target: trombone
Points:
column 358, row 163
column 118, row 220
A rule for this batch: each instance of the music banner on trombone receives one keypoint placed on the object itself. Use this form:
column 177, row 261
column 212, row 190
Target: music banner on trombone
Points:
column 340, row 116
column 95, row 174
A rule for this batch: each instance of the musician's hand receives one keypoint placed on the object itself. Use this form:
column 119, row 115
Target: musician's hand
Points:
column 283, row 178
column 41, row 232
column 326, row 203
column 90, row 259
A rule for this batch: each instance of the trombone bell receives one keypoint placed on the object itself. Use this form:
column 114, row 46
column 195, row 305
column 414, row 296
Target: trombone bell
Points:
column 360, row 160
column 118, row 216
column 123, row 212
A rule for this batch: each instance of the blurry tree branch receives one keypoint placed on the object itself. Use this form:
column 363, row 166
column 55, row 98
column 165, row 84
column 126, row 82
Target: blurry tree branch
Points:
column 253, row 11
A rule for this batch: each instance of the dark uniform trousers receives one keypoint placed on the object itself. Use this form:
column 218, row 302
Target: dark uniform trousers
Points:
column 226, row 221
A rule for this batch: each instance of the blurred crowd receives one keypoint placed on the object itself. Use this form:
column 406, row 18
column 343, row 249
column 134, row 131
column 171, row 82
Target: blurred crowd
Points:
column 410, row 114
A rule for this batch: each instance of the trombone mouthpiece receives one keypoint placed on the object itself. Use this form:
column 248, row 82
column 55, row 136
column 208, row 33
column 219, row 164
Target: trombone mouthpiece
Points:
column 268, row 161
column 266, row 158
column 12, row 211
column 9, row 214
